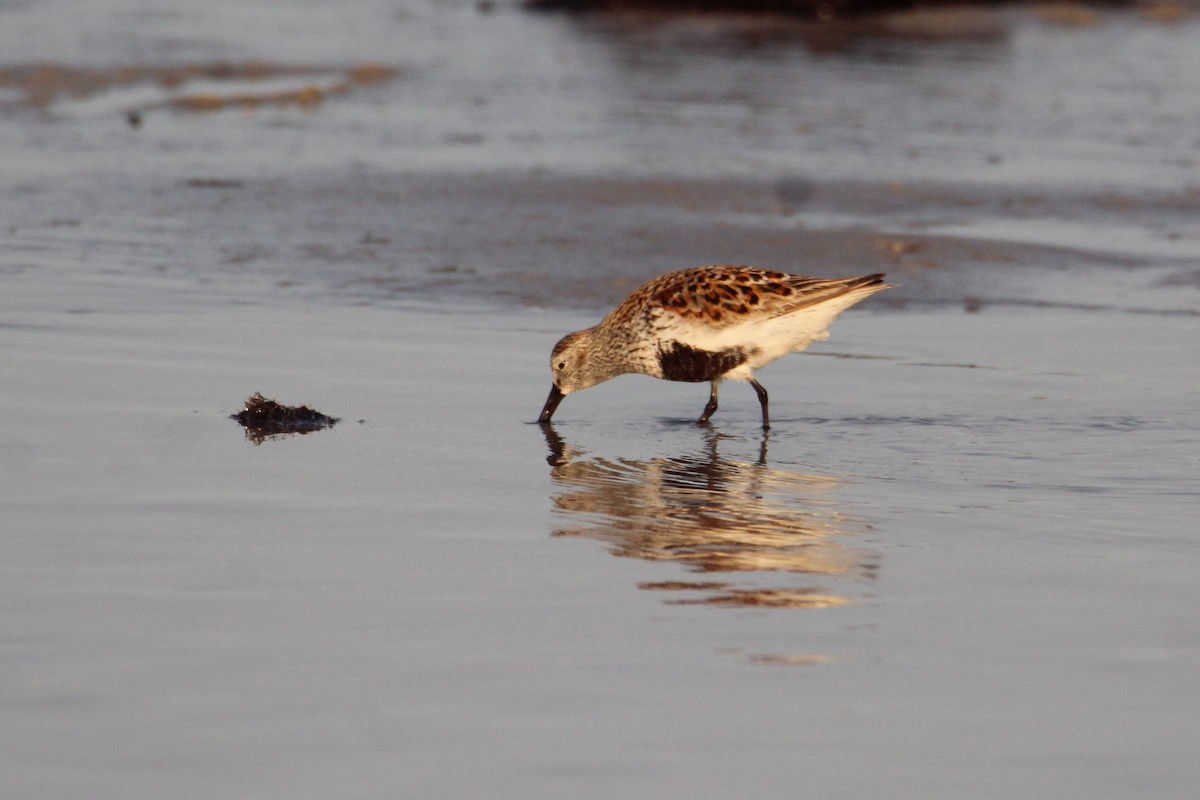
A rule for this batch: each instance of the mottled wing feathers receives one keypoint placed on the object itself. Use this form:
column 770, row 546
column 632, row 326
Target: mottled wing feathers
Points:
column 726, row 295
column 717, row 295
column 808, row 292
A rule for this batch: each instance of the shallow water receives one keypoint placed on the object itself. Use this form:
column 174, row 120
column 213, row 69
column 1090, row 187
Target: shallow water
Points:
column 962, row 563
column 418, row 601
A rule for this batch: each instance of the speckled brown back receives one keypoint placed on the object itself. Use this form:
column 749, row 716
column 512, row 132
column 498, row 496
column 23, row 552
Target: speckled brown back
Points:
column 721, row 295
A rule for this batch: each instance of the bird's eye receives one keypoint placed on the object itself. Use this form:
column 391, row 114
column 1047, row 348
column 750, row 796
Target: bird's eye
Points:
column 562, row 365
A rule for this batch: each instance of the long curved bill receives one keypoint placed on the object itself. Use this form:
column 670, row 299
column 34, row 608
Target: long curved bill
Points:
column 552, row 402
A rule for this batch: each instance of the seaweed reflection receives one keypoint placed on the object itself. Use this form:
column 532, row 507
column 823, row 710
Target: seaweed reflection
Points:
column 713, row 515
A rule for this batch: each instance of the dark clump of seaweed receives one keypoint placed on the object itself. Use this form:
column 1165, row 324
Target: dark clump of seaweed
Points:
column 266, row 419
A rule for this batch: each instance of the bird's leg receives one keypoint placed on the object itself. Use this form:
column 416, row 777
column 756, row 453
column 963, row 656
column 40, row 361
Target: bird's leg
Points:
column 711, row 407
column 762, row 399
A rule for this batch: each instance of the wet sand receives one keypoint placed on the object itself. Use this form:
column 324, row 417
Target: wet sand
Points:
column 962, row 563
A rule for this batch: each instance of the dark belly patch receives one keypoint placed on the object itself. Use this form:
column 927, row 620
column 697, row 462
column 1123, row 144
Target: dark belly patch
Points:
column 679, row 362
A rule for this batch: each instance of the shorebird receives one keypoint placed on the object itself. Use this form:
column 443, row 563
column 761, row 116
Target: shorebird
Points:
column 704, row 324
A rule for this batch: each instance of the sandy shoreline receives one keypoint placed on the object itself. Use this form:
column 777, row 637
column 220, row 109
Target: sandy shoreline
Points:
column 519, row 239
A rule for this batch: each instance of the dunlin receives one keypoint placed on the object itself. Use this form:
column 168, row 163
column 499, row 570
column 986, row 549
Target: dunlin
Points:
column 704, row 324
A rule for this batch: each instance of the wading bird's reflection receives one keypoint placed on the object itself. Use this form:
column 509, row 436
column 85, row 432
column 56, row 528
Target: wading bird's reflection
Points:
column 713, row 515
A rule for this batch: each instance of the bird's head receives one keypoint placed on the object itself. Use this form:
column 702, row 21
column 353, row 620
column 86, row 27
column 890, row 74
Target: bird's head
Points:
column 571, row 364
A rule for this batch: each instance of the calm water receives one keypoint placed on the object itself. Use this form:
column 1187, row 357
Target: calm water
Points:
column 962, row 564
